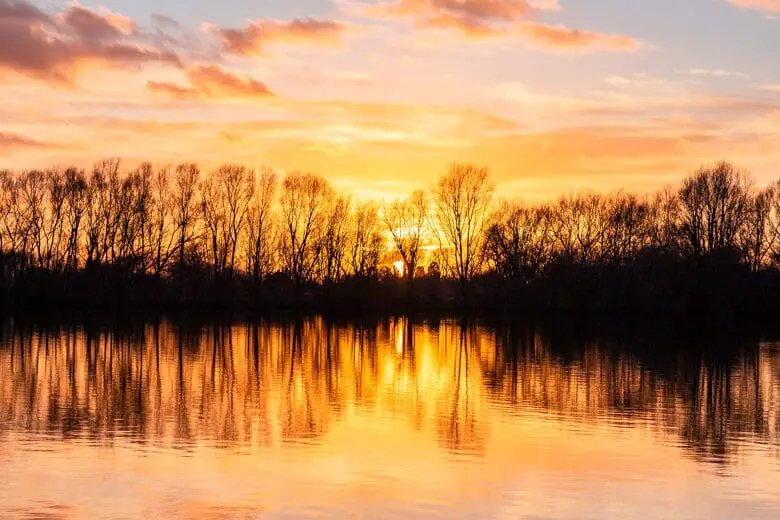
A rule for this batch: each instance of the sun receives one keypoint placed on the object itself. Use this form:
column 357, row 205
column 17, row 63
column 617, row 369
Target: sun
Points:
column 399, row 267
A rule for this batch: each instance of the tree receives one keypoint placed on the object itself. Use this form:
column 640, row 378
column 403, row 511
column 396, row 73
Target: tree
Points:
column 225, row 198
column 304, row 206
column 76, row 206
column 463, row 199
column 161, row 236
column 238, row 183
column 714, row 205
column 758, row 237
column 580, row 224
column 625, row 233
column 663, row 226
column 366, row 240
column 184, row 208
column 519, row 242
column 335, row 239
column 405, row 220
column 261, row 247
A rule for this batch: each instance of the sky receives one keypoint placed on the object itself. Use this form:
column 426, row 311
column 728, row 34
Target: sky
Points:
column 381, row 96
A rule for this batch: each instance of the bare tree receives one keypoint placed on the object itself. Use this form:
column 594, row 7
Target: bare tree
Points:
column 714, row 204
column 579, row 227
column 463, row 203
column 405, row 221
column 184, row 206
column 366, row 241
column 76, row 207
column 758, row 237
column 238, row 183
column 335, row 240
column 12, row 241
column 304, row 205
column 261, row 247
column 213, row 213
column 664, row 221
column 519, row 241
column 161, row 236
column 625, row 232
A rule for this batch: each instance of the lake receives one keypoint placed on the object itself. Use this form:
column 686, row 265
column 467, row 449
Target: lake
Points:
column 388, row 418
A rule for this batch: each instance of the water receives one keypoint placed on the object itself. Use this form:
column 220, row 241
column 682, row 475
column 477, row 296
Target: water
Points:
column 389, row 419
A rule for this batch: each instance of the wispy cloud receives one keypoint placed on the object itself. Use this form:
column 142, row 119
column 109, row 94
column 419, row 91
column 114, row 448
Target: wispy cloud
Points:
column 10, row 142
column 481, row 19
column 211, row 81
column 256, row 35
column 560, row 37
column 716, row 73
column 772, row 6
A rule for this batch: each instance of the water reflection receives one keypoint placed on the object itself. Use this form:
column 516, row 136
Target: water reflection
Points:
column 307, row 385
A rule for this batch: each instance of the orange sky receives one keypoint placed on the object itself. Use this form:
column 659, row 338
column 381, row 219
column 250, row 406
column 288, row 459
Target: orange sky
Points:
column 380, row 97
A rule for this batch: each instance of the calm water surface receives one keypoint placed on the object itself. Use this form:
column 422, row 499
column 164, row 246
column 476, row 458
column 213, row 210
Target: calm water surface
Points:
column 391, row 419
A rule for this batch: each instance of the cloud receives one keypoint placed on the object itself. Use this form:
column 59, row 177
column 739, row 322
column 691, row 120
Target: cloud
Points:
column 412, row 143
column 162, row 20
column 772, row 6
column 54, row 48
column 20, row 11
column 470, row 27
column 102, row 25
column 173, row 90
column 480, row 11
column 479, row 19
column 215, row 81
column 10, row 142
column 717, row 73
column 252, row 39
column 560, row 37
column 211, row 81
column 545, row 5
column 472, row 18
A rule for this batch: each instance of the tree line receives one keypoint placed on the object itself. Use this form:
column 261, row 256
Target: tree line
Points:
column 76, row 230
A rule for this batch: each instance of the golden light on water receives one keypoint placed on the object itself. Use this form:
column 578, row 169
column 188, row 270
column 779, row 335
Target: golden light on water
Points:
column 306, row 416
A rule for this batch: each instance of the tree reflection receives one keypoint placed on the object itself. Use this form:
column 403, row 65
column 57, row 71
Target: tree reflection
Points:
column 267, row 383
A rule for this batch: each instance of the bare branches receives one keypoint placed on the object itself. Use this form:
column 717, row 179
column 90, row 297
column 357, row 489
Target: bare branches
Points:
column 304, row 208
column 261, row 238
column 463, row 200
column 405, row 221
column 157, row 221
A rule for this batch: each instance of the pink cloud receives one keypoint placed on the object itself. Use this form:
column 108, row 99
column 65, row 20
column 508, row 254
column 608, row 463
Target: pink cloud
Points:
column 10, row 142
column 251, row 39
column 94, row 25
column 53, row 48
column 560, row 37
column 492, row 18
column 173, row 90
column 758, row 5
column 482, row 10
column 211, row 81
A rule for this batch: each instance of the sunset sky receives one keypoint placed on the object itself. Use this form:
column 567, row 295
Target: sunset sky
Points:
column 380, row 96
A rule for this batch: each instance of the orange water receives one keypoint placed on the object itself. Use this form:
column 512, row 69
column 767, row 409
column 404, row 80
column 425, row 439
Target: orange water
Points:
column 391, row 419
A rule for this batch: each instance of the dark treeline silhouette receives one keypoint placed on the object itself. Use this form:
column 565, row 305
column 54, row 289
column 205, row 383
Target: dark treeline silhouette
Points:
column 172, row 236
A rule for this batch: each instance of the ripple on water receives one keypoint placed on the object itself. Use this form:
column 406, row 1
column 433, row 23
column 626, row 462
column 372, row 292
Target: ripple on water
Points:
column 394, row 419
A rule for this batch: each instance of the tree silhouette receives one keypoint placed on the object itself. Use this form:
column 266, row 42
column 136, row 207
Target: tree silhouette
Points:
column 156, row 233
column 463, row 199
column 405, row 221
